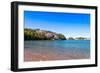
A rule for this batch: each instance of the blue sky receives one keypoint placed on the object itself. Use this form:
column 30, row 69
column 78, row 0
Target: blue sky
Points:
column 69, row 24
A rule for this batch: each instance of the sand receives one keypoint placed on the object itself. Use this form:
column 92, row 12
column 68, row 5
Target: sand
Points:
column 48, row 56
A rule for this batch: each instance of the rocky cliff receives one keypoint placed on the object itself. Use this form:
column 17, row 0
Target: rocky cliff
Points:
column 37, row 34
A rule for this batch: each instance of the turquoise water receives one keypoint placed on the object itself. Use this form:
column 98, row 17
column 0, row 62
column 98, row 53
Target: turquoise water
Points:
column 74, row 47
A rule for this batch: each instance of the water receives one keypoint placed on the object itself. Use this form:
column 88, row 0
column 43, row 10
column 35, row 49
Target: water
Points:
column 73, row 47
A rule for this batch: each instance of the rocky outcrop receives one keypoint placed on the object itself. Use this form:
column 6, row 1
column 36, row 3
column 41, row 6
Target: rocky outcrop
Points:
column 37, row 34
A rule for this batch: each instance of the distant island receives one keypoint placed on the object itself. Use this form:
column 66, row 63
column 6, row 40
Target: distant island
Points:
column 37, row 34
column 78, row 38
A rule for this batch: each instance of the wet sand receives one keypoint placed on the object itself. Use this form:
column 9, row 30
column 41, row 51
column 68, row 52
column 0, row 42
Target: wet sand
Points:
column 48, row 55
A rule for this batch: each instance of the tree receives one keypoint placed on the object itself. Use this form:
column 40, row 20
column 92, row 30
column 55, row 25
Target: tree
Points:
column 61, row 36
column 80, row 38
column 37, row 34
column 70, row 38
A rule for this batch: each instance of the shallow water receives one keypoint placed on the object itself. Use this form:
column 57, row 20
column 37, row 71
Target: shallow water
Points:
column 76, row 48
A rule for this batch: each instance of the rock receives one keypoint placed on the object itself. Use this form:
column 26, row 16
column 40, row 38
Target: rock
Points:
column 34, row 34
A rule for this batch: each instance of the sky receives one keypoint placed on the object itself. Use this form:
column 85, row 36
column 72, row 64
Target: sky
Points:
column 68, row 24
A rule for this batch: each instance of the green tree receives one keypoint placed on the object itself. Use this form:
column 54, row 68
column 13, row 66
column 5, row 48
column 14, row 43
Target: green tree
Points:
column 61, row 36
column 70, row 38
column 80, row 38
column 37, row 34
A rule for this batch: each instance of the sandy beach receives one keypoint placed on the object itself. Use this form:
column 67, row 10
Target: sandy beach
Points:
column 47, row 56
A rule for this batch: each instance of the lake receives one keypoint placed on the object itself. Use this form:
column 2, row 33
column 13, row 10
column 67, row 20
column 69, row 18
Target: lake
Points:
column 45, row 50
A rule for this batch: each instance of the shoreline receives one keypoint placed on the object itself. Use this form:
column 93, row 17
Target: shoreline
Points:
column 38, row 56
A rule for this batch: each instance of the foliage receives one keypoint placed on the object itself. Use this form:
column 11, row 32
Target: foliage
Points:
column 61, row 36
column 81, row 38
column 71, row 38
column 37, row 34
